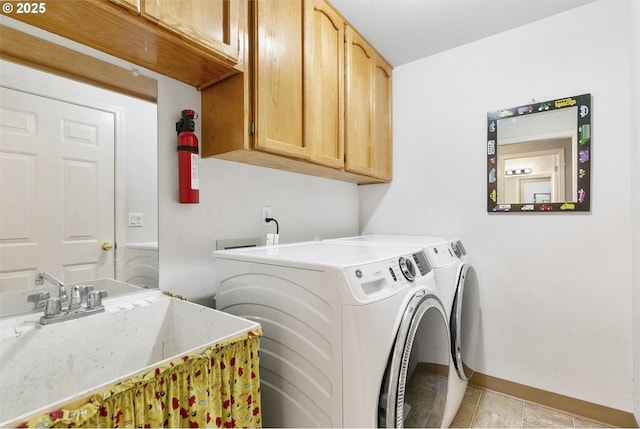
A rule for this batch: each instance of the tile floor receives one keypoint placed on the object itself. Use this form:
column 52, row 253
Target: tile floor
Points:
column 487, row 409
column 425, row 399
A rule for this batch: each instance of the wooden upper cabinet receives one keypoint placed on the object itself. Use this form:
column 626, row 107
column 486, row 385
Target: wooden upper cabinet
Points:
column 278, row 75
column 324, row 84
column 212, row 24
column 299, row 75
column 368, row 109
column 289, row 110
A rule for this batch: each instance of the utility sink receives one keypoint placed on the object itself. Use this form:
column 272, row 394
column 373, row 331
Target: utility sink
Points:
column 42, row 367
column 17, row 303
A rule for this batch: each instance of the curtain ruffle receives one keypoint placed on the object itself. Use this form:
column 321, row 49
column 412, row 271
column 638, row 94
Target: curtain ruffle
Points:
column 219, row 387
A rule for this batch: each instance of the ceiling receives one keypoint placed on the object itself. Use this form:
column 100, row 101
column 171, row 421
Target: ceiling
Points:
column 406, row 30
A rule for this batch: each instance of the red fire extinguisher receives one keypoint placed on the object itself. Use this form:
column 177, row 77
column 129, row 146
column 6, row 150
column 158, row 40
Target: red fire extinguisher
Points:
column 188, row 158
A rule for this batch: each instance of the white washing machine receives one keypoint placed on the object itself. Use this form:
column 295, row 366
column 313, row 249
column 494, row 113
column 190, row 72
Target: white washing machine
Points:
column 459, row 290
column 342, row 324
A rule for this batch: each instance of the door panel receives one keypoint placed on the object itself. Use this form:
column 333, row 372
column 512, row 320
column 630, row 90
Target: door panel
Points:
column 57, row 188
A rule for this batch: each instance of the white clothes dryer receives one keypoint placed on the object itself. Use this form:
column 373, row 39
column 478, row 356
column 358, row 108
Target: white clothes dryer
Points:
column 341, row 325
column 459, row 290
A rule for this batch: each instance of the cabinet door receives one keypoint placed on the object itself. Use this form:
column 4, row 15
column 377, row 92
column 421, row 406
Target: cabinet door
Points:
column 324, row 84
column 381, row 139
column 212, row 24
column 279, row 68
column 359, row 104
column 368, row 144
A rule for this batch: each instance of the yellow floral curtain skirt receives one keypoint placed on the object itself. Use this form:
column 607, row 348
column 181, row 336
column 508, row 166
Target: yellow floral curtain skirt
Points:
column 217, row 388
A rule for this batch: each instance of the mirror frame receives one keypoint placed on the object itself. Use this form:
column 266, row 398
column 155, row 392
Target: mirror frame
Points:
column 583, row 154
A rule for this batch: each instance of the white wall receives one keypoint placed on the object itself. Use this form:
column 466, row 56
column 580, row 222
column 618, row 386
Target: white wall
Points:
column 140, row 158
column 556, row 288
column 231, row 195
column 634, row 25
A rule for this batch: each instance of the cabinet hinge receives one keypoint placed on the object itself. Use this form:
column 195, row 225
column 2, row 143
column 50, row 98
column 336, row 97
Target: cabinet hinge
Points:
column 252, row 128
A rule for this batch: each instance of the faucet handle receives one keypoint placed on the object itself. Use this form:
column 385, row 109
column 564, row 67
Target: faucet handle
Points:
column 38, row 299
column 75, row 298
column 52, row 307
column 94, row 299
column 84, row 292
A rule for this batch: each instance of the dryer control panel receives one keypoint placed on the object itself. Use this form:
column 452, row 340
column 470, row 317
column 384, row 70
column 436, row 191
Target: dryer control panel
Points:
column 381, row 279
column 444, row 254
column 422, row 262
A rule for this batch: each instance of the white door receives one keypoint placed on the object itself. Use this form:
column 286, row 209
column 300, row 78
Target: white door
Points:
column 56, row 190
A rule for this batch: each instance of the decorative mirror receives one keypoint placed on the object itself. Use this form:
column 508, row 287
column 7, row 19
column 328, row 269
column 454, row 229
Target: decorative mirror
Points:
column 539, row 156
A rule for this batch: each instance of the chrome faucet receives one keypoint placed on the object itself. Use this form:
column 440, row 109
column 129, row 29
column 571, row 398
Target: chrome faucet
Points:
column 41, row 277
column 80, row 294
column 53, row 311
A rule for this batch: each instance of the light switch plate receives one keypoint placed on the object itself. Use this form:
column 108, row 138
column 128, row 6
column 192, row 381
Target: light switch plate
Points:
column 136, row 219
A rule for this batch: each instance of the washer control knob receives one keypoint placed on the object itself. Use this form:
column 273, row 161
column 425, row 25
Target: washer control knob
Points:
column 358, row 273
column 407, row 268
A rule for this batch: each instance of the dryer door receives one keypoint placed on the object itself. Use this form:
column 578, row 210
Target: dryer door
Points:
column 465, row 318
column 415, row 385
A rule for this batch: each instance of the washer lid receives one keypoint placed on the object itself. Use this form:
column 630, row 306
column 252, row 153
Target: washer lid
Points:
column 414, row 240
column 318, row 254
column 439, row 250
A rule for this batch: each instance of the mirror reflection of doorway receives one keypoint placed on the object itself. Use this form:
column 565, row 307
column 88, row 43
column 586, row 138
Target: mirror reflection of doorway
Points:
column 542, row 198
column 536, row 190
column 58, row 158
column 133, row 132
column 524, row 174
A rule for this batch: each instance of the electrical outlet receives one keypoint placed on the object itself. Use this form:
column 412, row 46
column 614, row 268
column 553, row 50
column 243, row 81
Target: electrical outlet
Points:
column 265, row 212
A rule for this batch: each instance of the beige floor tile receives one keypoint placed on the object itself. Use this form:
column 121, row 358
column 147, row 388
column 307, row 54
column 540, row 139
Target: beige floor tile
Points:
column 487, row 419
column 467, row 408
column 463, row 416
column 487, row 409
column 581, row 422
column 416, row 418
column 506, row 406
column 429, row 381
column 546, row 417
column 472, row 395
column 434, row 421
